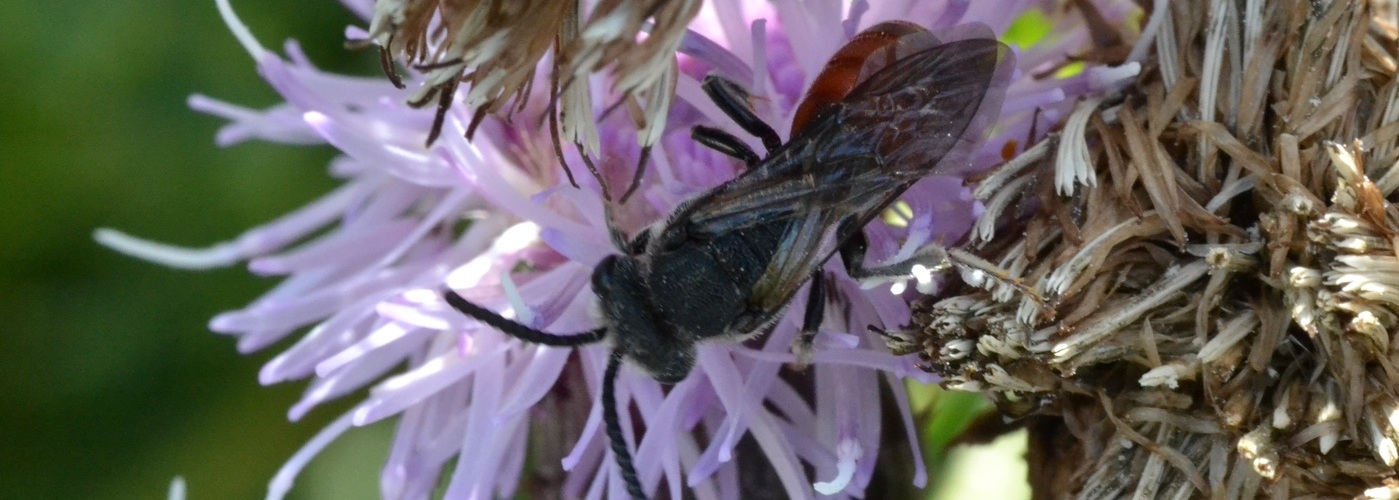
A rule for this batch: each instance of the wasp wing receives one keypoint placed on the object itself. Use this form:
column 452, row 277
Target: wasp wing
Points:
column 922, row 115
column 905, row 122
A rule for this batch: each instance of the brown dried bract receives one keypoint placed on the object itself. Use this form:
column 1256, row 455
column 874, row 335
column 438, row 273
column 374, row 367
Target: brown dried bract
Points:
column 1214, row 313
column 492, row 48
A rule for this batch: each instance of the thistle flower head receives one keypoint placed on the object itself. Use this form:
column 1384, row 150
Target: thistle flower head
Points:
column 1212, row 312
column 496, row 220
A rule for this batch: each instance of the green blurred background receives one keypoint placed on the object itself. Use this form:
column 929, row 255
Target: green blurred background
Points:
column 111, row 383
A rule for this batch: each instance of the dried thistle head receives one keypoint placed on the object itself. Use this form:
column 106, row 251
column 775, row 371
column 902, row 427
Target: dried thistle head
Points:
column 495, row 46
column 1202, row 297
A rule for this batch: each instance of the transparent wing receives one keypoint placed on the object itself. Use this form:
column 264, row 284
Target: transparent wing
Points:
column 922, row 115
column 791, row 267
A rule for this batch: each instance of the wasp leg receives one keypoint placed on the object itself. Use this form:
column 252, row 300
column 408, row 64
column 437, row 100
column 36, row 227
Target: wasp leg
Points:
column 726, row 143
column 927, row 262
column 811, row 320
column 852, row 254
column 732, row 99
column 932, row 259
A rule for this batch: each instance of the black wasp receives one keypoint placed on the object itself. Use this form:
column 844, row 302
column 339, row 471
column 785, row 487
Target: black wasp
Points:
column 893, row 106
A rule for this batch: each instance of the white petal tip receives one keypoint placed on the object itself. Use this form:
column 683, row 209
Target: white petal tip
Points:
column 523, row 313
column 240, row 30
column 846, row 453
column 177, row 489
column 844, row 473
column 278, row 488
column 220, row 255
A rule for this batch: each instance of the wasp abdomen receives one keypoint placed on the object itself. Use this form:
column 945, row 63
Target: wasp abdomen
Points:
column 856, row 61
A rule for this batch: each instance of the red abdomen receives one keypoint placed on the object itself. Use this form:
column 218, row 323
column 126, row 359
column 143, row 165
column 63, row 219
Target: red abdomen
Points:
column 870, row 50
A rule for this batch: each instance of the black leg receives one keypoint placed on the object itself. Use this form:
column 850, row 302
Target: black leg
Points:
column 733, row 101
column 852, row 255
column 520, row 331
column 614, row 427
column 934, row 258
column 811, row 319
column 852, row 252
column 726, row 143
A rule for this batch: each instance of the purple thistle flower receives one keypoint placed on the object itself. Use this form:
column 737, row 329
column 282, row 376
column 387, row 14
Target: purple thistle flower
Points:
column 363, row 265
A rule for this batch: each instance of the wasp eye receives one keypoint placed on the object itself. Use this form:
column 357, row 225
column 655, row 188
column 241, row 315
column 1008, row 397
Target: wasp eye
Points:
column 638, row 244
column 605, row 274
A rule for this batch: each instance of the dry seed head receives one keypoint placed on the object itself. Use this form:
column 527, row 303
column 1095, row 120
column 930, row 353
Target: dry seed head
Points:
column 1230, row 241
column 495, row 46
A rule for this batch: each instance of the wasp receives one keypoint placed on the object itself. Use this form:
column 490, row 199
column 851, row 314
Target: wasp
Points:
column 894, row 105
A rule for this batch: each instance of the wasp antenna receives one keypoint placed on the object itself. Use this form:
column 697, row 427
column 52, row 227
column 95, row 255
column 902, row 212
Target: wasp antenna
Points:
column 518, row 330
column 640, row 171
column 614, row 427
